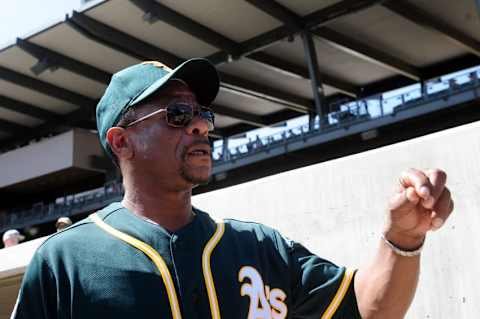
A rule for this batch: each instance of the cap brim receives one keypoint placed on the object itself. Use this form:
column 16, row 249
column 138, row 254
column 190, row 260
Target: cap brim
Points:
column 199, row 74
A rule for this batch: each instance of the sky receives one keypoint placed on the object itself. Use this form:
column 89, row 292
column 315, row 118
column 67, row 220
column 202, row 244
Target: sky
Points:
column 19, row 18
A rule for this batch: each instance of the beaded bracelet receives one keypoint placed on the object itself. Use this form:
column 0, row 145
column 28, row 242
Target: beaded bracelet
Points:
column 401, row 252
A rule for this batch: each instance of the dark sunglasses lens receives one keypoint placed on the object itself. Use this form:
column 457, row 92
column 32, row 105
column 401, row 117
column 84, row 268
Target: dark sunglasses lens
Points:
column 179, row 115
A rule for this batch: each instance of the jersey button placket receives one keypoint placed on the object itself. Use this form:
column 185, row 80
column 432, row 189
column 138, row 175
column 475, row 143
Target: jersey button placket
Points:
column 195, row 296
column 173, row 246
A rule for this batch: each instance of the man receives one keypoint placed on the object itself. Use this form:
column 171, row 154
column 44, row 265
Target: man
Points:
column 155, row 256
column 62, row 223
column 12, row 238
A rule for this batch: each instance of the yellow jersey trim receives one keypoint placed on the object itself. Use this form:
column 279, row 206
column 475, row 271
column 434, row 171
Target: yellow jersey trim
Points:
column 342, row 290
column 162, row 267
column 207, row 271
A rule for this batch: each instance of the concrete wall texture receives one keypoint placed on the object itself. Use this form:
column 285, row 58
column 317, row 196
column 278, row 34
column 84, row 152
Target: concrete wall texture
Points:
column 38, row 159
column 84, row 146
column 337, row 210
column 70, row 149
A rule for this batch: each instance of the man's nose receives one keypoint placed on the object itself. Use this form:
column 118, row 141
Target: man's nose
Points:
column 198, row 126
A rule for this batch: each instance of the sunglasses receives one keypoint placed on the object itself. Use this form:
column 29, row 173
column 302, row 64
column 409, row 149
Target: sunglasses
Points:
column 180, row 114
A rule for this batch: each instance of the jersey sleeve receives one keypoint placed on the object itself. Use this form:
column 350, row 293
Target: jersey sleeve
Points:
column 37, row 296
column 320, row 288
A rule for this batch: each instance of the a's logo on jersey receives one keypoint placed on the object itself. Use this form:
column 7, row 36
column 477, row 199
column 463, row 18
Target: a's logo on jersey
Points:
column 265, row 303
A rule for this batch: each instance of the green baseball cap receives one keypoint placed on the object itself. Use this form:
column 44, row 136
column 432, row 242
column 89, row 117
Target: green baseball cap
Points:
column 131, row 85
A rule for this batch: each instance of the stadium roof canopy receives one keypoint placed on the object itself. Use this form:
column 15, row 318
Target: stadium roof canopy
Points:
column 51, row 81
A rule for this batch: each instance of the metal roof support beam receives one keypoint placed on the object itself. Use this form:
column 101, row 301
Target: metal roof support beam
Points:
column 315, row 78
column 423, row 18
column 338, row 10
column 311, row 21
column 233, row 130
column 225, row 151
column 46, row 88
column 60, row 60
column 298, row 71
column 104, row 77
column 79, row 118
column 229, row 46
column 365, row 52
column 127, row 44
column 242, row 86
column 285, row 115
column 13, row 128
column 451, row 65
column 248, row 118
column 43, row 65
column 119, row 40
column 27, row 109
column 187, row 25
column 279, row 12
column 279, row 117
column 339, row 41
column 75, row 118
column 429, row 72
column 215, row 135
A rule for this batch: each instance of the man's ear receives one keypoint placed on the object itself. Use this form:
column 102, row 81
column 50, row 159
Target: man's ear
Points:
column 119, row 142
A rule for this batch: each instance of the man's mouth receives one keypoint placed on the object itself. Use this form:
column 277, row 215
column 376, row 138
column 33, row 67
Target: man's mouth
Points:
column 200, row 150
column 198, row 153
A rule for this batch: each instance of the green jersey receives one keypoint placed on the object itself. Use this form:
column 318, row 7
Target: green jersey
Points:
column 116, row 264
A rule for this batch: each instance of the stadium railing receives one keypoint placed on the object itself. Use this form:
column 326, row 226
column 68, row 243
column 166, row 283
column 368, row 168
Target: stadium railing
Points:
column 354, row 112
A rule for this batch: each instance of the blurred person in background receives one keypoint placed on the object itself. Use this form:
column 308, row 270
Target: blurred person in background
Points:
column 12, row 237
column 62, row 223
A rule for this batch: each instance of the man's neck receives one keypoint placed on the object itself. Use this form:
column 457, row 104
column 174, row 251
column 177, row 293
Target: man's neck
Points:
column 171, row 210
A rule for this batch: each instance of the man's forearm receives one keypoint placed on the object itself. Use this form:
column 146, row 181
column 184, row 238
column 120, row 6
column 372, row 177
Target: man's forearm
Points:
column 421, row 203
column 385, row 288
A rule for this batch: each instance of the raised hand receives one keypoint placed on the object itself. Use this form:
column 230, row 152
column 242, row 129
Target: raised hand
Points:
column 422, row 203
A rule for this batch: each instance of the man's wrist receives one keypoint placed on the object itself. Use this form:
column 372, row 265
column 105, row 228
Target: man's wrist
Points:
column 404, row 242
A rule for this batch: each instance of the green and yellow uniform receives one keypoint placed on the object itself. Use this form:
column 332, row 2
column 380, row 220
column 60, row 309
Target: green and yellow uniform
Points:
column 115, row 264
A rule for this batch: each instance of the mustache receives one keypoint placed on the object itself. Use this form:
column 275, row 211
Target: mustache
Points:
column 200, row 141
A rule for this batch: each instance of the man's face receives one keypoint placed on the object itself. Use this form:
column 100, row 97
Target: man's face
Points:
column 61, row 226
column 178, row 157
column 11, row 241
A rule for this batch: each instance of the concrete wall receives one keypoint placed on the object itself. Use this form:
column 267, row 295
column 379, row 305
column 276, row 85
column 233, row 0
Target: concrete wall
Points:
column 85, row 144
column 13, row 262
column 38, row 159
column 337, row 210
column 70, row 149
